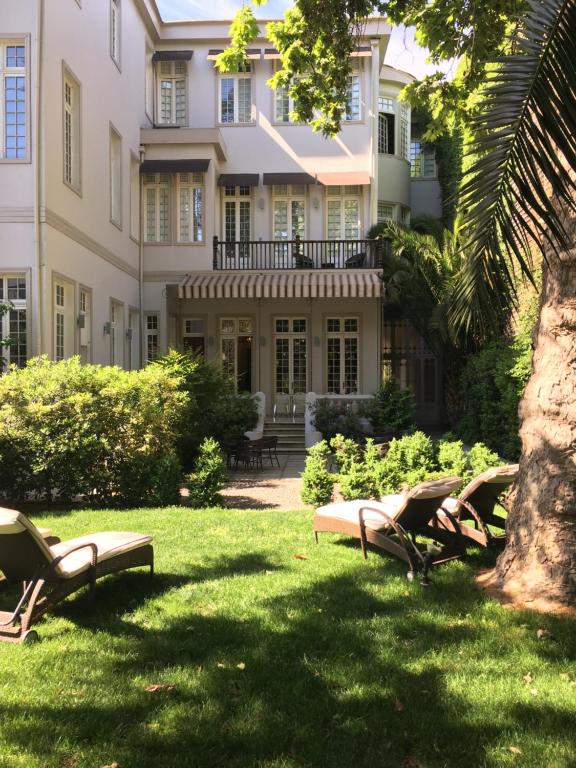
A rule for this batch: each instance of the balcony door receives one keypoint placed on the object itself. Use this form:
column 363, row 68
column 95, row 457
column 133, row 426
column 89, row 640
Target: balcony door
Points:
column 289, row 221
column 290, row 365
column 237, row 225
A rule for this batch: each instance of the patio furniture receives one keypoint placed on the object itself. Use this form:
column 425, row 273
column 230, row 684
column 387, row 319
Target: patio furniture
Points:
column 48, row 574
column 395, row 522
column 303, row 262
column 476, row 504
column 270, row 444
column 356, row 261
column 249, row 455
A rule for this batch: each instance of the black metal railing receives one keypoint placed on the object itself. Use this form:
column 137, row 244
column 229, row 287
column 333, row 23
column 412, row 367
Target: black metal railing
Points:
column 299, row 254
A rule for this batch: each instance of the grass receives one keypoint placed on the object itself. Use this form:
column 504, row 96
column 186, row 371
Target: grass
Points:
column 283, row 662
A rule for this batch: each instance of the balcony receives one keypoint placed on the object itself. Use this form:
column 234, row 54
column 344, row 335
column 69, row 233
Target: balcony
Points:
column 261, row 255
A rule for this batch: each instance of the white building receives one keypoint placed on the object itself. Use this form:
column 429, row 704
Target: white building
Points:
column 148, row 202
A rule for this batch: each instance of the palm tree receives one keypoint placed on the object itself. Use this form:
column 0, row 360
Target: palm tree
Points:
column 519, row 197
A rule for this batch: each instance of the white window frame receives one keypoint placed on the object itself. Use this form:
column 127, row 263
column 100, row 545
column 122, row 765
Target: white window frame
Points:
column 22, row 73
column 71, row 131
column 343, row 195
column 421, row 154
column 342, row 335
column 159, row 184
column 134, row 189
column 16, row 306
column 387, row 108
column 189, row 333
column 404, row 132
column 174, row 78
column 151, row 336
column 236, row 77
column 290, row 196
column 353, row 110
column 241, row 194
column 381, row 216
column 193, row 184
column 64, row 318
column 117, row 333
column 116, row 31
column 115, row 160
column 85, row 323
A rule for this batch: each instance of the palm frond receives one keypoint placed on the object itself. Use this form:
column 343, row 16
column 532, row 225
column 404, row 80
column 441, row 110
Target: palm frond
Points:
column 525, row 145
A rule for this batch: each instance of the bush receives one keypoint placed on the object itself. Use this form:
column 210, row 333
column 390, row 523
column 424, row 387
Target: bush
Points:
column 98, row 432
column 408, row 461
column 346, row 451
column 391, row 409
column 480, row 458
column 360, row 479
column 317, row 482
column 208, row 477
column 452, row 458
column 333, row 418
column 214, row 407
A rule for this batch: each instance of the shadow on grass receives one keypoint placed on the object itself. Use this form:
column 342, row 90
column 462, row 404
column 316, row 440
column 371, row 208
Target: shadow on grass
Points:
column 331, row 675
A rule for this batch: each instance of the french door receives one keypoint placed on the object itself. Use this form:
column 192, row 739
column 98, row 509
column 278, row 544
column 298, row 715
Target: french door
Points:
column 342, row 355
column 290, row 364
column 236, row 350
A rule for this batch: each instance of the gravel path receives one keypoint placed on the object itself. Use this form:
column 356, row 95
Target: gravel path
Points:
column 277, row 488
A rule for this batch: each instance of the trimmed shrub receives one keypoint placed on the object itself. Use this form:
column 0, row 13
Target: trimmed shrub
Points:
column 452, row 458
column 98, row 432
column 480, row 458
column 345, row 451
column 360, row 479
column 209, row 475
column 214, row 408
column 409, row 461
column 317, row 482
column 391, row 409
column 333, row 418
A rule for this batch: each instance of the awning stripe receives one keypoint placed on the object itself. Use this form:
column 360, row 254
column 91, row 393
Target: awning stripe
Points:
column 314, row 285
column 172, row 56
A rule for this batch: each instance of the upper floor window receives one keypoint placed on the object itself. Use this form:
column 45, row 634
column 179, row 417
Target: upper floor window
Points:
column 115, row 177
column 115, row 31
column 422, row 160
column 172, row 93
column 289, row 211
column 235, row 96
column 353, row 94
column 190, row 195
column 13, row 329
column 385, row 212
column 13, row 112
column 236, row 213
column 156, row 208
column 71, row 133
column 343, row 213
column 404, row 132
column 386, row 125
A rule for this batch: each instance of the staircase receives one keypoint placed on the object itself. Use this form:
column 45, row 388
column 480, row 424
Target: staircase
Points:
column 290, row 434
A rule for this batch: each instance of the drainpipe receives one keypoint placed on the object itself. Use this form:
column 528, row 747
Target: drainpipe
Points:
column 141, row 262
column 36, row 146
column 375, row 90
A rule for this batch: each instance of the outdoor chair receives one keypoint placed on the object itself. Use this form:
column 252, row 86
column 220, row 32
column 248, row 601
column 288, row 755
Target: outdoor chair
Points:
column 249, row 454
column 48, row 574
column 395, row 522
column 270, row 444
column 476, row 503
column 355, row 261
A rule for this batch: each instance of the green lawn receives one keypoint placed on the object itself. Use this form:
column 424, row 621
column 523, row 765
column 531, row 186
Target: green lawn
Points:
column 282, row 661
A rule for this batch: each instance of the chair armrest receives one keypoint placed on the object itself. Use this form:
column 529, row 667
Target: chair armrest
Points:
column 61, row 557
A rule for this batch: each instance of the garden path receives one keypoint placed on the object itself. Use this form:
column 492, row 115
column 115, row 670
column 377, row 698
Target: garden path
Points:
column 276, row 488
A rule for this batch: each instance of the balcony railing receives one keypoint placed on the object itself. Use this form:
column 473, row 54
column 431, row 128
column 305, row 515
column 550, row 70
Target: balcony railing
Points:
column 299, row 254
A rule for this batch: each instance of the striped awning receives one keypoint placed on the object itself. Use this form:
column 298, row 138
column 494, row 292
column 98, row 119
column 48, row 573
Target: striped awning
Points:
column 296, row 285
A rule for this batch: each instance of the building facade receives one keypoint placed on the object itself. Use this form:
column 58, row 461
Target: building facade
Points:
column 148, row 201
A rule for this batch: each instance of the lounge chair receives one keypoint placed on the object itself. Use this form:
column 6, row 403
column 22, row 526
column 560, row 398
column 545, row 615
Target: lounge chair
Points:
column 476, row 504
column 48, row 574
column 394, row 522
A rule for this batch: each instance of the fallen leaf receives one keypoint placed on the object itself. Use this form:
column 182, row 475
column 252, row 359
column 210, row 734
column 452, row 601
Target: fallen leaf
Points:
column 299, row 557
column 220, row 665
column 533, row 691
column 398, row 706
column 156, row 687
column 543, row 634
column 112, row 765
column 515, row 750
column 527, row 678
column 565, row 676
column 241, row 665
column 411, row 761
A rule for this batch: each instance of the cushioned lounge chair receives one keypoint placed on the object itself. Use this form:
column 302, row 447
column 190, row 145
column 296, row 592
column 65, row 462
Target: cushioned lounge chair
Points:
column 395, row 522
column 476, row 503
column 49, row 573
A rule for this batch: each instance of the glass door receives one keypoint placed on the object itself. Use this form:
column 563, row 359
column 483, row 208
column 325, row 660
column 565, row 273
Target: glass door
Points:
column 342, row 351
column 290, row 365
column 236, row 350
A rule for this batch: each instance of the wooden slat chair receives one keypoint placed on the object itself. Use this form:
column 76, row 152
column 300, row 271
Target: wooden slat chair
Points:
column 48, row 574
column 476, row 504
column 395, row 522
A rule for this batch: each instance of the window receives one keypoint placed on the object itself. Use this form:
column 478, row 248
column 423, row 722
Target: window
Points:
column 149, row 82
column 193, row 335
column 289, row 211
column 343, row 213
column 236, row 218
column 190, row 194
column 235, row 101
column 342, row 351
column 290, row 357
column 156, row 208
column 85, row 324
column 405, row 216
column 353, row 95
column 117, row 334
column 385, row 212
column 115, row 177
column 13, row 116
column 386, row 125
column 236, row 350
column 71, row 136
column 134, row 197
column 172, row 93
column 422, row 160
column 115, row 31
column 13, row 323
column 283, row 104
column 152, row 330
column 404, row 132
column 63, row 319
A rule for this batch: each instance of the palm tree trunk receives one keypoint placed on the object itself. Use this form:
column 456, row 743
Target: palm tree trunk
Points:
column 538, row 566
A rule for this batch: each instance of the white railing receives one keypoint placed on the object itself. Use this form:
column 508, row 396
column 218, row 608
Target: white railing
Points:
column 311, row 434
